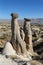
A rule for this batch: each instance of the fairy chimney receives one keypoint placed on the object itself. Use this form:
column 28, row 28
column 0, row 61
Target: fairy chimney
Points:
column 28, row 34
column 16, row 40
column 13, row 30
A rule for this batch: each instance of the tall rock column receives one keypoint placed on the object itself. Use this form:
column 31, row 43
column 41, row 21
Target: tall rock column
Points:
column 28, row 34
column 13, row 30
column 16, row 38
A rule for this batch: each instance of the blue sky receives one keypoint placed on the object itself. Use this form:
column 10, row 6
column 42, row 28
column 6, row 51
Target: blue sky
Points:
column 25, row 8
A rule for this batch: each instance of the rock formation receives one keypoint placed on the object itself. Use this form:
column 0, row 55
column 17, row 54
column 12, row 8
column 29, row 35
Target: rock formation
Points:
column 16, row 43
column 16, row 38
column 19, row 40
column 28, row 34
column 22, row 33
column 9, row 52
column 19, row 50
column 8, row 49
column 9, row 61
column 13, row 30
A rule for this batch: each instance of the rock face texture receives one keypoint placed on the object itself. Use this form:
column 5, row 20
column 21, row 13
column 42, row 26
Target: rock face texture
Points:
column 16, row 43
column 28, row 34
column 16, row 39
column 9, row 61
column 22, row 34
column 8, row 49
column 19, row 50
column 21, row 39
column 13, row 30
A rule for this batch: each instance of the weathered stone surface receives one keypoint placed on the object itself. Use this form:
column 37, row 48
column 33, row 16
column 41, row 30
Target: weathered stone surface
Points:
column 28, row 34
column 8, row 51
column 16, row 48
column 16, row 38
column 26, row 19
column 22, row 33
column 16, row 43
column 14, row 15
column 34, row 62
column 6, row 61
column 13, row 30
column 9, row 61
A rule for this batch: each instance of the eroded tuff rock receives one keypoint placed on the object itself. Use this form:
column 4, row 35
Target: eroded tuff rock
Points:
column 22, row 34
column 34, row 62
column 16, row 40
column 28, row 34
column 9, row 61
column 20, row 49
column 9, row 52
column 16, row 43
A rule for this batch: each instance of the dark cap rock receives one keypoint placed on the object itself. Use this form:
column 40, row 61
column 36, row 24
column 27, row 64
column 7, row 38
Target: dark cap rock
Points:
column 26, row 19
column 14, row 15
